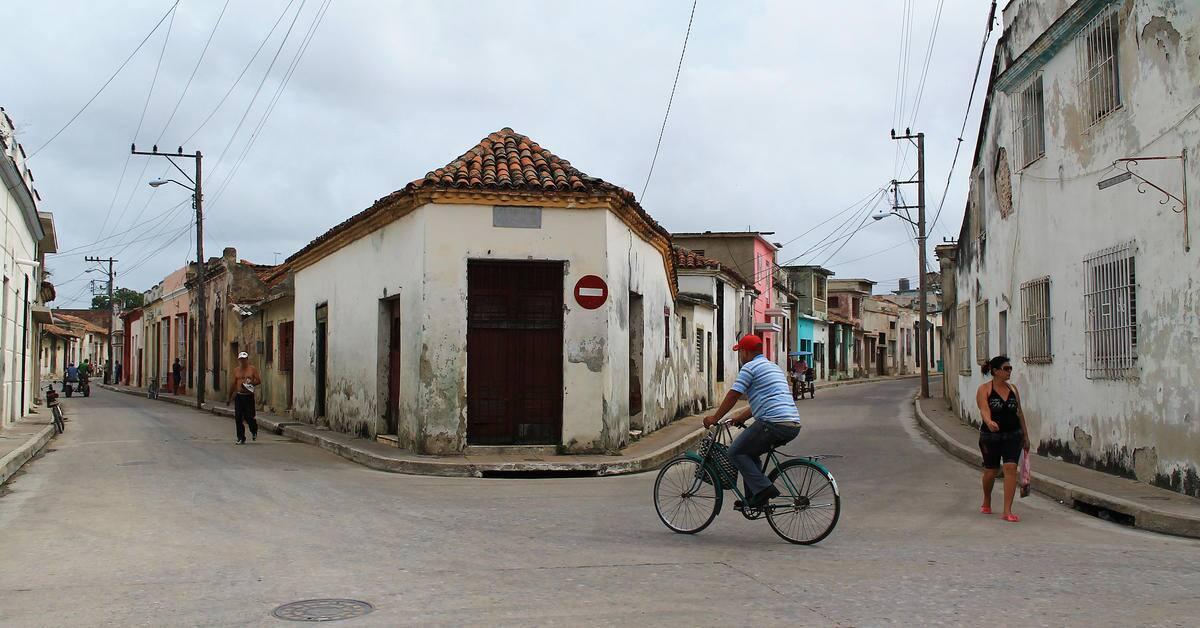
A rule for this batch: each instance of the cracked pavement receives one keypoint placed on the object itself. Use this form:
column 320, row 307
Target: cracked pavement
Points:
column 145, row 513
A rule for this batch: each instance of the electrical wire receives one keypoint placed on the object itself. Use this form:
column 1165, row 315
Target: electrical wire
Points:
column 169, row 13
column 195, row 69
column 245, row 69
column 91, row 245
column 670, row 99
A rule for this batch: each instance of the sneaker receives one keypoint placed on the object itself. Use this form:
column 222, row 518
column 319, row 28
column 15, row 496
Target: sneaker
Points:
column 240, row 442
column 254, row 436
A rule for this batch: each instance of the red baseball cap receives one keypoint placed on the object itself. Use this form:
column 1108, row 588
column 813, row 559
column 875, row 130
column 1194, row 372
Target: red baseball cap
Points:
column 749, row 342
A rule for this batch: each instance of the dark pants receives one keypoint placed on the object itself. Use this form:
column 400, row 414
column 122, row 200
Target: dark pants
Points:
column 748, row 448
column 243, row 414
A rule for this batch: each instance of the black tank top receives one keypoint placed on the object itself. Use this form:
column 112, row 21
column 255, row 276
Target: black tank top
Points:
column 1004, row 411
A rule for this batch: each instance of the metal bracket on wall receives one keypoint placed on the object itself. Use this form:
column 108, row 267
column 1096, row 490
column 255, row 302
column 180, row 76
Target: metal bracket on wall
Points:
column 1179, row 205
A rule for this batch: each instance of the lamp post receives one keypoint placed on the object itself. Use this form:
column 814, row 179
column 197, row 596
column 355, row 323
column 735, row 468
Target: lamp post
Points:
column 922, row 343
column 198, row 203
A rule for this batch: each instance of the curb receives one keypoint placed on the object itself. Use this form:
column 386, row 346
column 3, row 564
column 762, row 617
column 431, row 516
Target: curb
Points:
column 867, row 380
column 17, row 458
column 432, row 465
column 1144, row 517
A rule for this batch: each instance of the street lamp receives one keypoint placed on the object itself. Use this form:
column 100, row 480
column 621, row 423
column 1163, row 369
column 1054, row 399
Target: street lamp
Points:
column 198, row 203
column 922, row 299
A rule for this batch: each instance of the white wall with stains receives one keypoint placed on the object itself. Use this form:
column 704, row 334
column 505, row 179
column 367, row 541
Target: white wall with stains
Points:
column 1148, row 425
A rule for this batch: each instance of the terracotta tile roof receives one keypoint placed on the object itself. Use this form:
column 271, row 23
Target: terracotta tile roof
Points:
column 689, row 259
column 504, row 161
column 59, row 331
column 74, row 322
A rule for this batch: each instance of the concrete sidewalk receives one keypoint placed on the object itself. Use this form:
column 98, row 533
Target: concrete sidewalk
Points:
column 23, row 440
column 1090, row 491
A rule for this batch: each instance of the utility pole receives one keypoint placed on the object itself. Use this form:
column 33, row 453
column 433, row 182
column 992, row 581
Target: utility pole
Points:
column 919, row 180
column 198, row 203
column 112, row 311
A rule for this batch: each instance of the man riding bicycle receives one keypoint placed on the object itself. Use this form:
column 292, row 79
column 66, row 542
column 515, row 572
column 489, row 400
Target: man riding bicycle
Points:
column 776, row 418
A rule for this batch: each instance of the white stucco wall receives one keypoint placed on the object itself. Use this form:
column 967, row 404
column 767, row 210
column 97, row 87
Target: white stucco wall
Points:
column 18, row 243
column 1144, row 425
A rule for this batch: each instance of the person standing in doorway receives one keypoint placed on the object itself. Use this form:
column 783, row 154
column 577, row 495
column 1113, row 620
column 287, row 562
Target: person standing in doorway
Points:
column 176, row 376
column 241, row 394
column 1003, row 434
column 117, row 373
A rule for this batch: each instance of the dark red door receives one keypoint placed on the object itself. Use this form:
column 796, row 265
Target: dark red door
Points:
column 514, row 353
column 393, row 409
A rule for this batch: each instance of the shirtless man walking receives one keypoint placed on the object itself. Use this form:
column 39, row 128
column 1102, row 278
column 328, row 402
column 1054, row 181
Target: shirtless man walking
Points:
column 241, row 393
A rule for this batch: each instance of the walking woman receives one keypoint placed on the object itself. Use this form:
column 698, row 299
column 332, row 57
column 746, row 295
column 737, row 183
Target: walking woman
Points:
column 1002, row 435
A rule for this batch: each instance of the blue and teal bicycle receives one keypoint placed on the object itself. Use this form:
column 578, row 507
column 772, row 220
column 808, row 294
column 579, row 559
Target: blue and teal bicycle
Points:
column 690, row 488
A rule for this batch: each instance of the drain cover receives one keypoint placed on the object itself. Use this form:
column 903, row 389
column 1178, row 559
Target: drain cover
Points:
column 322, row 610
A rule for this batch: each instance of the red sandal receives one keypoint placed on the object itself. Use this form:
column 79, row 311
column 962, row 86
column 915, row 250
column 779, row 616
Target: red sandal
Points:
column 987, row 510
column 1011, row 518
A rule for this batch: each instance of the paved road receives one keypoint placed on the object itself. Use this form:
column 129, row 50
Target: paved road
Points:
column 145, row 513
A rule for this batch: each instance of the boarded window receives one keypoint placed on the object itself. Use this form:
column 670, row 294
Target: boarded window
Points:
column 286, row 342
column 981, row 332
column 270, row 348
column 1035, row 321
column 1111, row 318
column 1099, row 77
column 962, row 333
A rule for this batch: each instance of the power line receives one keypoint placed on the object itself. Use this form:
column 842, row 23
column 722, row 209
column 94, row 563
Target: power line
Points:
column 92, row 244
column 245, row 69
column 141, row 119
column 937, row 20
column 966, row 114
column 169, row 12
column 195, row 69
column 670, row 99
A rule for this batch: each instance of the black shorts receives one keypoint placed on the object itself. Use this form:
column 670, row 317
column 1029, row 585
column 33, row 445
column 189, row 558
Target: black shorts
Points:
column 1000, row 446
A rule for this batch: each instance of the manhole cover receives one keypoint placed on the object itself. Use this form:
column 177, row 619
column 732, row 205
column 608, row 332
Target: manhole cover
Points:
column 322, row 610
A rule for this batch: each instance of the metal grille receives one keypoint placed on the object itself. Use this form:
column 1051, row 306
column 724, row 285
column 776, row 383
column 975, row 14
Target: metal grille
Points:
column 962, row 331
column 981, row 332
column 1099, row 76
column 1035, row 320
column 700, row 350
column 1029, row 132
column 1111, row 317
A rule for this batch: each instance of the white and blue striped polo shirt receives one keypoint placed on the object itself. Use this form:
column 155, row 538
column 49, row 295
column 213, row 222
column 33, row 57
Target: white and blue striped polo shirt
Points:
column 766, row 388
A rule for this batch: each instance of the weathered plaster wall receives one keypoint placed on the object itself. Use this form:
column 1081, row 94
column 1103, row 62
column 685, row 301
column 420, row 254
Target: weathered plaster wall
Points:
column 352, row 281
column 1147, row 426
column 273, row 394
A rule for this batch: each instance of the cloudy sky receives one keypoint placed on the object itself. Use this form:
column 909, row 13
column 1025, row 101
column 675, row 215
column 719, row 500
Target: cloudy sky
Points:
column 780, row 120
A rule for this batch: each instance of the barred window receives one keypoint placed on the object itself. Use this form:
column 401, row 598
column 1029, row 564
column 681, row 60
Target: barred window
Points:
column 962, row 332
column 1111, row 316
column 1100, row 80
column 1035, row 321
column 1029, row 121
column 700, row 350
column 981, row 331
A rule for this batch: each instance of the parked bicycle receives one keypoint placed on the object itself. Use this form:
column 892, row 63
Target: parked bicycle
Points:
column 56, row 410
column 690, row 488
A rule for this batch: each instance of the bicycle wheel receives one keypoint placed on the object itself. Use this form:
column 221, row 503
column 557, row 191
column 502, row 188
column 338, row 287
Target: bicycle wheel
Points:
column 686, row 496
column 809, row 504
column 58, row 420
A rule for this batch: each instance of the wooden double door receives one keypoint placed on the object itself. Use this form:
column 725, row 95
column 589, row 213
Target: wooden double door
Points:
column 514, row 353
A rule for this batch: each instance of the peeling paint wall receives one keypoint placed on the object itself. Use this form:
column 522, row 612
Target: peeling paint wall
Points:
column 1147, row 426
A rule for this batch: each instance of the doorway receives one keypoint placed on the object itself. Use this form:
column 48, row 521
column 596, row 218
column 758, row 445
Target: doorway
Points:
column 393, row 366
column 514, row 353
column 322, row 356
column 637, row 346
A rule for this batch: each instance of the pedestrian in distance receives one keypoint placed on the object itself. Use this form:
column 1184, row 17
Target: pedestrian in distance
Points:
column 117, row 373
column 241, row 394
column 177, row 375
column 776, row 418
column 1002, row 435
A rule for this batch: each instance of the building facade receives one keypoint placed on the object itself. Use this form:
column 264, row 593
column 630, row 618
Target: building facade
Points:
column 1076, row 257
column 732, row 297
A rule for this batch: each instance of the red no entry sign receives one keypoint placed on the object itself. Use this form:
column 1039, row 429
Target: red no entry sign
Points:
column 591, row 292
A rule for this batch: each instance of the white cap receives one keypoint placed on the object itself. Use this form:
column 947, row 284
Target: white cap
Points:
column 243, row 355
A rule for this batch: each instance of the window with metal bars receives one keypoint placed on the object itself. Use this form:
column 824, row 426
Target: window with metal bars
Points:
column 962, row 324
column 982, row 339
column 1035, row 321
column 1029, row 131
column 1110, row 322
column 699, row 350
column 1100, row 79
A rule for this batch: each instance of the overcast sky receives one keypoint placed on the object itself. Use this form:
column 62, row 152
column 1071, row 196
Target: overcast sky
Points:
column 780, row 119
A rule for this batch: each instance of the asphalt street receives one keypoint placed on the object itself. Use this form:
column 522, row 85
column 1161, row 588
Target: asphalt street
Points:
column 146, row 513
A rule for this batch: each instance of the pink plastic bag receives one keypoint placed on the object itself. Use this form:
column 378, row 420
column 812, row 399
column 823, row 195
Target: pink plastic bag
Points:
column 1025, row 474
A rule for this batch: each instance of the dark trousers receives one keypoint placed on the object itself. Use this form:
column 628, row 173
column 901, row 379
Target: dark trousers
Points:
column 749, row 446
column 243, row 414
